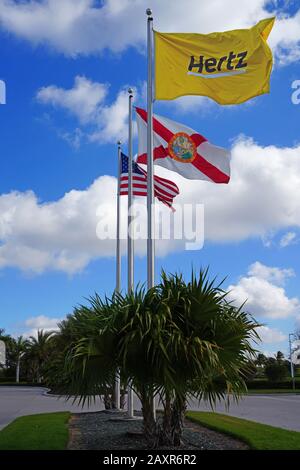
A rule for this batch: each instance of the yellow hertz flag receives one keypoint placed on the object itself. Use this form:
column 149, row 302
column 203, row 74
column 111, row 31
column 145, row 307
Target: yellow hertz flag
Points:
column 229, row 67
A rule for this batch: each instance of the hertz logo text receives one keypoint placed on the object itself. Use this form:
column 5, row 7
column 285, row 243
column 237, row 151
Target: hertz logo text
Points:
column 228, row 64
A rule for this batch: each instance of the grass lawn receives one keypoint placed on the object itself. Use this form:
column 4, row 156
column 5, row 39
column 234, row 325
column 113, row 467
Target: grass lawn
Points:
column 47, row 431
column 256, row 435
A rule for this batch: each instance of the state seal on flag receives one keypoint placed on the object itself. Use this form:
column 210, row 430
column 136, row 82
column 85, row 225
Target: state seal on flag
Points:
column 182, row 148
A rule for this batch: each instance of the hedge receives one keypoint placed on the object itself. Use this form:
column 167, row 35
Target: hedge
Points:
column 265, row 384
column 12, row 381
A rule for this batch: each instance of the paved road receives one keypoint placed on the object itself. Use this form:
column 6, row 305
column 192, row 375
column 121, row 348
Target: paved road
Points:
column 21, row 401
column 277, row 410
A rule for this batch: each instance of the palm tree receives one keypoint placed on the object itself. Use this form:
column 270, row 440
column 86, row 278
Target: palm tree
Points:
column 279, row 357
column 179, row 340
column 38, row 351
column 260, row 360
column 19, row 347
column 208, row 344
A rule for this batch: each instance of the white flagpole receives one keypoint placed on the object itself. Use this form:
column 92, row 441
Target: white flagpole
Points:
column 150, row 166
column 118, row 268
column 130, row 252
column 118, row 264
column 150, row 188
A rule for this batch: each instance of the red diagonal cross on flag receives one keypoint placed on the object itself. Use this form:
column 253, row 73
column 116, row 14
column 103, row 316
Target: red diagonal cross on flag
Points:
column 187, row 152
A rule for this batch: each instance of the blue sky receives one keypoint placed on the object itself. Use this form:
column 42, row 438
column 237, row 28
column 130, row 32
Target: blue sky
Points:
column 58, row 134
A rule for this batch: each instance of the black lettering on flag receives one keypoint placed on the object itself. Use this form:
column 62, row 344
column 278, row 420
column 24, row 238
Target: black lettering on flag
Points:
column 198, row 65
column 241, row 63
column 231, row 57
column 210, row 65
column 221, row 60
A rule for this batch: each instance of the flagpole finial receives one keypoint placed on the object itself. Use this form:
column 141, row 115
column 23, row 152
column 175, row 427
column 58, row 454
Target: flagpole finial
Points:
column 130, row 91
column 149, row 12
column 119, row 143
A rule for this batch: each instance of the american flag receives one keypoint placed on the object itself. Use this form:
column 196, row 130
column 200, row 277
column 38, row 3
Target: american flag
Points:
column 165, row 190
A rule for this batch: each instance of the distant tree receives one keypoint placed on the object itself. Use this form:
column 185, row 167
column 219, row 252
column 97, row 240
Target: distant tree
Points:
column 4, row 336
column 279, row 356
column 38, row 352
column 261, row 360
column 270, row 361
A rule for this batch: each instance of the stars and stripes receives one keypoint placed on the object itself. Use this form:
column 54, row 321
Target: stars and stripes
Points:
column 164, row 190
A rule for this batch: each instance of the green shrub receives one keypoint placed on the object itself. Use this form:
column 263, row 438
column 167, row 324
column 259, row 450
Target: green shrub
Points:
column 7, row 379
column 265, row 384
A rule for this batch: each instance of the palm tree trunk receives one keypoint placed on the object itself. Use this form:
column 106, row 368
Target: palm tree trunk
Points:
column 107, row 398
column 173, row 419
column 113, row 396
column 39, row 375
column 122, row 399
column 166, row 437
column 148, row 416
column 178, row 415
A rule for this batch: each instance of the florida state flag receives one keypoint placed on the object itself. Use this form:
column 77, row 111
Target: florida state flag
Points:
column 181, row 149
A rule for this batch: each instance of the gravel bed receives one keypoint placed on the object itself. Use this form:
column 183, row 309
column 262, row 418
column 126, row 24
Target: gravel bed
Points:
column 107, row 430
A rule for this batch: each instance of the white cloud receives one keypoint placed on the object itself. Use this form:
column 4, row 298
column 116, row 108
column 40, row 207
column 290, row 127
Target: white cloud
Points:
column 265, row 296
column 59, row 235
column 287, row 239
column 269, row 353
column 192, row 104
column 86, row 26
column 272, row 340
column 275, row 275
column 86, row 100
column 83, row 100
column 285, row 39
column 40, row 322
column 73, row 138
column 267, row 238
column 263, row 196
column 271, row 335
column 112, row 120
column 63, row 235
